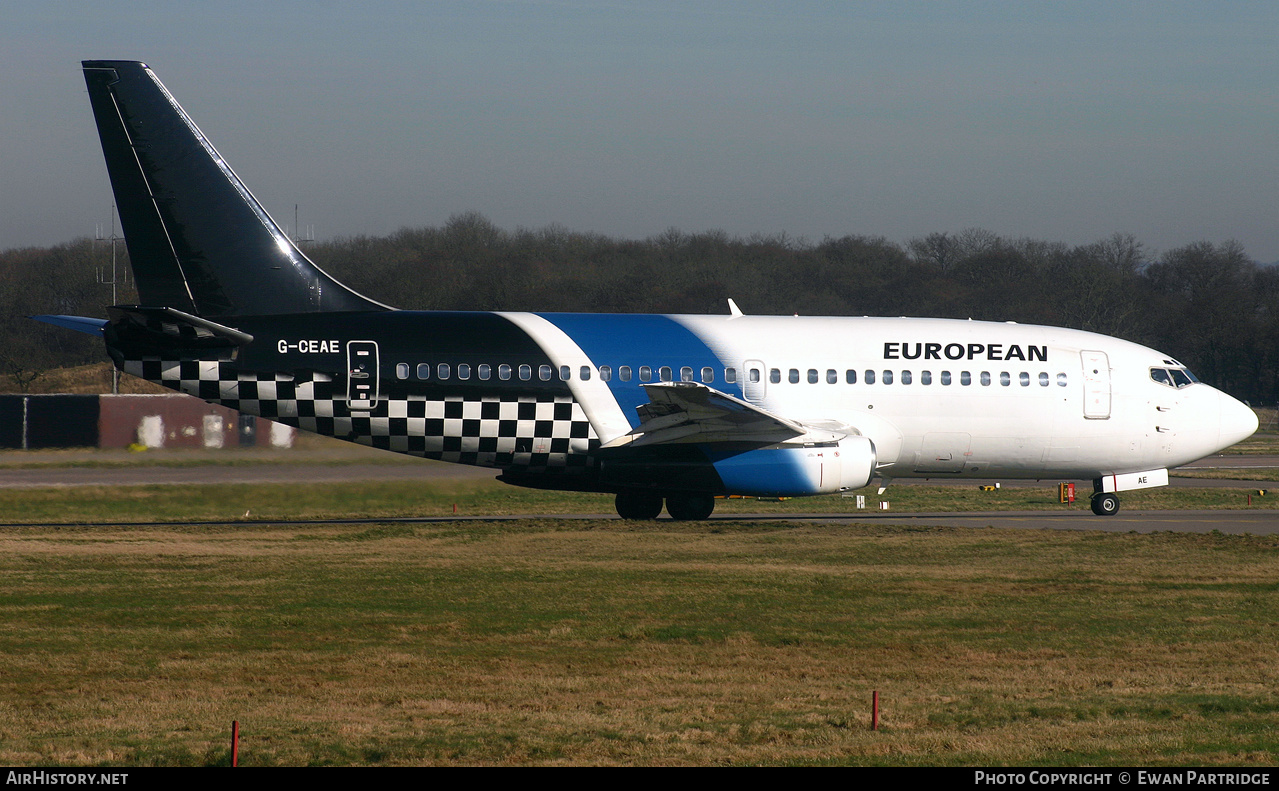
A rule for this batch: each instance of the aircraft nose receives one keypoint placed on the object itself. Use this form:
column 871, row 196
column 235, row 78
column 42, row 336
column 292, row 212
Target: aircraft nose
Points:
column 1238, row 421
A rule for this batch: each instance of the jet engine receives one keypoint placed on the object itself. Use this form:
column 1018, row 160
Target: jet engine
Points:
column 797, row 470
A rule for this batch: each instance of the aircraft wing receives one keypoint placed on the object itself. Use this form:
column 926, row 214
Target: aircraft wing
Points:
column 692, row 412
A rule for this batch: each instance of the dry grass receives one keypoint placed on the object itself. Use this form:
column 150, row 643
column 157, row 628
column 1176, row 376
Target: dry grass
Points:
column 84, row 379
column 610, row 643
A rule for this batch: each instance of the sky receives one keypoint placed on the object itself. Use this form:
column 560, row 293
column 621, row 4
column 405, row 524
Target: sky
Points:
column 1064, row 122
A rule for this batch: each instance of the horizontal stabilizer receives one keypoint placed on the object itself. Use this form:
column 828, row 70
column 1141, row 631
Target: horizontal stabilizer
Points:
column 693, row 412
column 78, row 323
column 174, row 328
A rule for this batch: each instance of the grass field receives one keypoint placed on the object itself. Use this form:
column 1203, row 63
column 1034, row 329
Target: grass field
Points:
column 546, row 642
column 605, row 642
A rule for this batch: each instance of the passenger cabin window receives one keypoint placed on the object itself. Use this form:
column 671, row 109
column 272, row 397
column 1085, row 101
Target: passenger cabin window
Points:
column 945, row 377
column 850, row 376
column 606, row 373
column 812, row 376
column 708, row 375
column 754, row 376
column 624, row 373
column 1061, row 380
column 906, row 377
column 484, row 370
column 645, row 373
column 424, row 371
column 566, row 373
column 463, row 371
column 985, row 378
column 888, row 377
column 686, row 374
column 925, row 377
column 544, row 373
column 730, row 375
column 401, row 370
column 1024, row 379
column 869, row 378
column 1005, row 379
column 775, row 375
column 526, row 372
column 965, row 378
column 832, row 376
column 585, row 372
column 664, row 373
column 1043, row 379
column 443, row 371
column 793, row 377
column 504, row 372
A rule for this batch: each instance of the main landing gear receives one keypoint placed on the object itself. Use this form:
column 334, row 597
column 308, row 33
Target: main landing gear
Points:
column 648, row 505
column 1105, row 503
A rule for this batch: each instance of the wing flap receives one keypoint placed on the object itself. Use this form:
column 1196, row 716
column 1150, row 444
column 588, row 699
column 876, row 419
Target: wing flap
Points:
column 693, row 412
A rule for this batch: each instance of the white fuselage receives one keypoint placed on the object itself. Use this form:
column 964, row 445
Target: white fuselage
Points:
column 976, row 398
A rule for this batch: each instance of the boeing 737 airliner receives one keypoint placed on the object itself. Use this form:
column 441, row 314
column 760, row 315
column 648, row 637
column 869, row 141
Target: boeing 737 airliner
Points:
column 652, row 408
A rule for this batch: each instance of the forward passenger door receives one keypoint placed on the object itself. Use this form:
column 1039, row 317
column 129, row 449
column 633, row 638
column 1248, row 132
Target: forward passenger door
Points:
column 1096, row 367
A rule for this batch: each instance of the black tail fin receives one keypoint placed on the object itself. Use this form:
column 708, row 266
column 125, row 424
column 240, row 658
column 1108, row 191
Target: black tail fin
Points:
column 198, row 239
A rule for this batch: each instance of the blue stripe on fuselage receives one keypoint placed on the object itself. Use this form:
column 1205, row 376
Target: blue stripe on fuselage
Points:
column 640, row 339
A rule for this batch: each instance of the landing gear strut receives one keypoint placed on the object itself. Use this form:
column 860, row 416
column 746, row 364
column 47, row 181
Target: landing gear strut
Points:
column 1105, row 503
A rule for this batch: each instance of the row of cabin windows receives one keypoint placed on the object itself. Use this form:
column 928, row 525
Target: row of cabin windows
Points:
column 545, row 372
column 686, row 374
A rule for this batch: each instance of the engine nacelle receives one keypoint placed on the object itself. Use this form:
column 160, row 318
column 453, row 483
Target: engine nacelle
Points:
column 795, row 471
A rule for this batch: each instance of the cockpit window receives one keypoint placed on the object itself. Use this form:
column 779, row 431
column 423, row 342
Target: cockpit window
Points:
column 1173, row 377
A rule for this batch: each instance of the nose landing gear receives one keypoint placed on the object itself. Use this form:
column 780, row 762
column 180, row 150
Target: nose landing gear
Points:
column 1105, row 503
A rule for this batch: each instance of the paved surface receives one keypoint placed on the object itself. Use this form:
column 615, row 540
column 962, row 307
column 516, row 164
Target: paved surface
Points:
column 1234, row 522
column 1233, row 462
column 1257, row 523
column 348, row 463
column 28, row 469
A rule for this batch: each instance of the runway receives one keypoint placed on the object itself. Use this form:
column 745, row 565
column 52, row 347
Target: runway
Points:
column 98, row 468
column 32, row 469
column 1257, row 523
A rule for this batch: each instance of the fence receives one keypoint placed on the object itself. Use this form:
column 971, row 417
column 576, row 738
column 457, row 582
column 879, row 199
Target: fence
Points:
column 32, row 422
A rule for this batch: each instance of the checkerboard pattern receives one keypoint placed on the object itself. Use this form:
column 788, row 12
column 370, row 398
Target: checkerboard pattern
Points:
column 533, row 433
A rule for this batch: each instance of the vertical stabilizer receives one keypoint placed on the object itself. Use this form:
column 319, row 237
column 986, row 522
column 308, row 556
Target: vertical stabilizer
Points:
column 198, row 240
